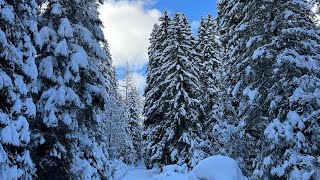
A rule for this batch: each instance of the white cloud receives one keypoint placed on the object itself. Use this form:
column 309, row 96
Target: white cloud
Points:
column 127, row 27
column 139, row 81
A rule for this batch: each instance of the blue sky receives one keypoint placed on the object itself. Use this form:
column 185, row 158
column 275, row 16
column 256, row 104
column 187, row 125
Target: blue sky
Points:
column 128, row 24
column 192, row 8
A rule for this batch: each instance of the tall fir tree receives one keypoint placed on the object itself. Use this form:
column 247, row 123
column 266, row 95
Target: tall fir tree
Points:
column 132, row 104
column 18, row 74
column 73, row 92
column 177, row 137
column 155, row 52
column 114, row 117
column 134, row 107
column 209, row 52
column 152, row 91
column 270, row 120
column 100, row 93
column 127, row 84
column 209, row 55
column 228, row 128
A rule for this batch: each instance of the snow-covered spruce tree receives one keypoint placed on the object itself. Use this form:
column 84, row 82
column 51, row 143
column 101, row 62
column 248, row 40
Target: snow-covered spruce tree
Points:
column 101, row 93
column 58, row 100
column 155, row 52
column 73, row 92
column 113, row 118
column 293, row 135
column 133, row 106
column 177, row 137
column 271, row 107
column 113, row 127
column 120, row 144
column 209, row 56
column 152, row 91
column 18, row 73
column 227, row 130
column 127, row 84
column 209, row 52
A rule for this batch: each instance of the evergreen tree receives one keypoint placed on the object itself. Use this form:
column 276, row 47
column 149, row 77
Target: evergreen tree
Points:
column 228, row 130
column 209, row 52
column 18, row 74
column 135, row 121
column 100, row 93
column 73, row 92
column 209, row 55
column 177, row 137
column 120, row 144
column 115, row 136
column 270, row 121
column 132, row 103
column 127, row 84
column 152, row 90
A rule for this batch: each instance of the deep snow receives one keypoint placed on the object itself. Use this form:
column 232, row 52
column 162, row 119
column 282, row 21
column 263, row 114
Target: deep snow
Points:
column 212, row 168
column 144, row 174
column 140, row 173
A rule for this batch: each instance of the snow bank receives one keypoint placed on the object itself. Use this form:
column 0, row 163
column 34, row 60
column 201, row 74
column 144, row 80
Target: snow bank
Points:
column 216, row 168
column 212, row 168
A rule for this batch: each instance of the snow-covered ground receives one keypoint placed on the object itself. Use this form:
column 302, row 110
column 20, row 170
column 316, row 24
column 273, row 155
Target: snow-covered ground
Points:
column 212, row 168
column 139, row 173
column 144, row 174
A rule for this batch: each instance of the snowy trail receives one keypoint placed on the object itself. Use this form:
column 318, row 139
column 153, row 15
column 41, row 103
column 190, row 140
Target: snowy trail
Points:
column 144, row 174
column 214, row 167
column 139, row 174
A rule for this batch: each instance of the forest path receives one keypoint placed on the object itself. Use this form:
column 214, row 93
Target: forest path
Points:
column 139, row 174
column 214, row 167
column 144, row 174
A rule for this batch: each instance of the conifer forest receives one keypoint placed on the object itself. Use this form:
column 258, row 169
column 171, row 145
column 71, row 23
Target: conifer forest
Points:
column 238, row 99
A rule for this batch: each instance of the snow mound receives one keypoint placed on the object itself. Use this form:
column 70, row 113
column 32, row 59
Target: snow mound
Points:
column 217, row 168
